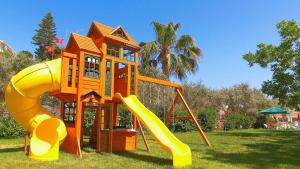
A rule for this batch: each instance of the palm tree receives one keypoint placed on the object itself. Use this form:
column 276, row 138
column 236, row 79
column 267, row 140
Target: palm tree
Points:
column 177, row 57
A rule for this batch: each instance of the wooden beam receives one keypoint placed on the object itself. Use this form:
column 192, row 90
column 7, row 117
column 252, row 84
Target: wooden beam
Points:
column 143, row 136
column 171, row 110
column 70, row 55
column 194, row 118
column 158, row 81
column 182, row 117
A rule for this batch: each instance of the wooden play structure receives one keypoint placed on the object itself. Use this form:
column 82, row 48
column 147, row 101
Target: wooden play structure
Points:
column 98, row 72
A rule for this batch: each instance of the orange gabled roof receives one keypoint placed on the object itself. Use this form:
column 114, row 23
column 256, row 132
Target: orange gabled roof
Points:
column 107, row 31
column 85, row 43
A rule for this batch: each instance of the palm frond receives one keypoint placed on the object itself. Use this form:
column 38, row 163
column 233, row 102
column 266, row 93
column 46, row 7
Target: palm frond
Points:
column 187, row 46
column 170, row 36
column 148, row 52
column 159, row 30
column 177, row 67
column 177, row 57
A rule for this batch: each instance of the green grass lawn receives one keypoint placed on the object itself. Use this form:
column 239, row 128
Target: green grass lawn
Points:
column 234, row 149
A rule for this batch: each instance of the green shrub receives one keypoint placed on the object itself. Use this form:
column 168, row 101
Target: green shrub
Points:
column 159, row 110
column 183, row 125
column 10, row 128
column 207, row 119
column 124, row 116
column 261, row 120
column 88, row 120
column 232, row 121
column 238, row 120
column 247, row 121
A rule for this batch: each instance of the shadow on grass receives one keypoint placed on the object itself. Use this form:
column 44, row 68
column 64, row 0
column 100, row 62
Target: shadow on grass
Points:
column 145, row 158
column 9, row 150
column 259, row 133
column 283, row 148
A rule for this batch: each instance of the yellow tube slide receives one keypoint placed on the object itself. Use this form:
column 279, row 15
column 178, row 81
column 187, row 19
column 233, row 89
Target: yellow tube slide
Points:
column 180, row 151
column 22, row 97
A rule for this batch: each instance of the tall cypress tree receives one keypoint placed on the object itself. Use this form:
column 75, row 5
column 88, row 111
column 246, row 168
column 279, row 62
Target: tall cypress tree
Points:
column 45, row 34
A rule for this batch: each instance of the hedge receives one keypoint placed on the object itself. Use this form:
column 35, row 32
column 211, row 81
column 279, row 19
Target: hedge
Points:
column 238, row 120
column 207, row 119
column 9, row 127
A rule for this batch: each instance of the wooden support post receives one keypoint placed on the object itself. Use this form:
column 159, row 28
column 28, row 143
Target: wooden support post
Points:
column 98, row 135
column 111, row 127
column 26, row 151
column 143, row 136
column 170, row 111
column 78, row 144
column 135, row 125
column 193, row 118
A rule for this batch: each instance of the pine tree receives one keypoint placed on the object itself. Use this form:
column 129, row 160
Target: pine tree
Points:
column 44, row 36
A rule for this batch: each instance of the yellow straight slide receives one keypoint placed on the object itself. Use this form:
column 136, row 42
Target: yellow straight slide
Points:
column 181, row 152
column 22, row 97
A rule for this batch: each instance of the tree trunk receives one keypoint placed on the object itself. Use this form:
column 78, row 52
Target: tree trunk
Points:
column 165, row 63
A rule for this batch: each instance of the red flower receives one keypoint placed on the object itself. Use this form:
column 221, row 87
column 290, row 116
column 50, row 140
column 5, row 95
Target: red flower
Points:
column 58, row 41
column 50, row 48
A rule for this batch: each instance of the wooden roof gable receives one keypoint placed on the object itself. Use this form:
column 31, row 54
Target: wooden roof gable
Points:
column 84, row 43
column 121, row 29
column 107, row 32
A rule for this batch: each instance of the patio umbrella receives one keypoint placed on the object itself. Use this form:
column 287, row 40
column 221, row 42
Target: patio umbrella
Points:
column 273, row 110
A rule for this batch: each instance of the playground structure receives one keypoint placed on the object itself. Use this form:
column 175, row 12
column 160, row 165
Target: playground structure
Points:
column 96, row 72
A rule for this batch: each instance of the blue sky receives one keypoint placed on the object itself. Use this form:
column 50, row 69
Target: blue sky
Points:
column 224, row 30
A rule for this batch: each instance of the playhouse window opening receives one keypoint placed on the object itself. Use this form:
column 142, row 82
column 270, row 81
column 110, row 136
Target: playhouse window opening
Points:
column 92, row 67
column 108, row 78
column 121, row 67
column 70, row 73
column 119, row 33
column 89, row 116
column 70, row 112
column 113, row 50
column 77, row 75
column 132, row 79
column 124, row 117
column 106, row 115
column 129, row 55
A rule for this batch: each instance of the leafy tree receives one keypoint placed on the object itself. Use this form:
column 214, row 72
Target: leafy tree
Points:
column 45, row 34
column 5, row 71
column 151, row 71
column 21, row 61
column 238, row 98
column 10, row 65
column 198, row 96
column 241, row 98
column 177, row 56
column 26, row 53
column 284, row 61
